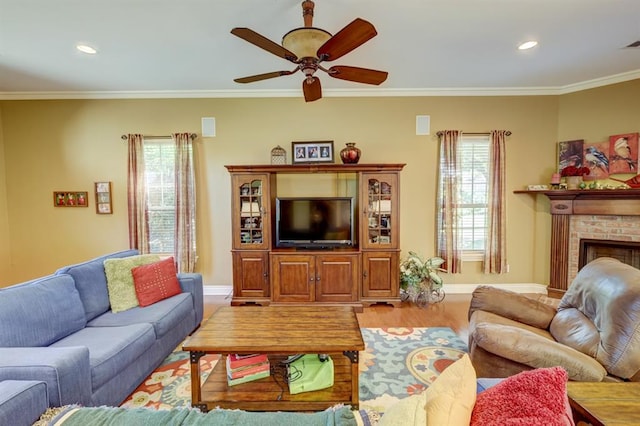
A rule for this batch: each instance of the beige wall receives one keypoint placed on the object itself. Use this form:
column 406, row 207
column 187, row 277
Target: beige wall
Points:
column 5, row 237
column 596, row 114
column 69, row 144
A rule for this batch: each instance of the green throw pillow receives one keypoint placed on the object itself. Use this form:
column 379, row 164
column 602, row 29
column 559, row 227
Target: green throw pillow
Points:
column 122, row 292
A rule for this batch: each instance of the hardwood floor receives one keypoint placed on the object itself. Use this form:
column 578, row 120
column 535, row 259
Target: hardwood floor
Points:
column 451, row 312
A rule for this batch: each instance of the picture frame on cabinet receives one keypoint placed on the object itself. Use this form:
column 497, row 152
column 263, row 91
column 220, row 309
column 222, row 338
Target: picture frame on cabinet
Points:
column 103, row 198
column 312, row 152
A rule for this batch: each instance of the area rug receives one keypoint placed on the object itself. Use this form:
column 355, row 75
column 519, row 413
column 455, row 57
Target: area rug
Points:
column 396, row 362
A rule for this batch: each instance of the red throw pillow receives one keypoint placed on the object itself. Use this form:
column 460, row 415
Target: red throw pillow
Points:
column 536, row 397
column 155, row 281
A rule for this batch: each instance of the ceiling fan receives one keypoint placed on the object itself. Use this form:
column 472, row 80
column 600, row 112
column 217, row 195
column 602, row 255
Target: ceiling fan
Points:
column 308, row 46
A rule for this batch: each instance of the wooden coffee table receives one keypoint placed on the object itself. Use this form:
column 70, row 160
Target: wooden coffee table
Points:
column 278, row 331
column 600, row 403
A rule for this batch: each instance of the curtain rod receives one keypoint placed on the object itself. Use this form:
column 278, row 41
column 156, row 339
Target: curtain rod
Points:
column 125, row 137
column 508, row 133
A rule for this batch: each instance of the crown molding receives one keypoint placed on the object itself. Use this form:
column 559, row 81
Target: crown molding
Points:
column 600, row 82
column 328, row 93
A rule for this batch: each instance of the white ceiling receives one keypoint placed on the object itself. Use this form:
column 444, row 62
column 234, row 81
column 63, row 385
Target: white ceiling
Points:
column 183, row 48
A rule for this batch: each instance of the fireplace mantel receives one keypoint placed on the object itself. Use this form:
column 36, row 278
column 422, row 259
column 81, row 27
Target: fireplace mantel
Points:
column 618, row 202
column 564, row 204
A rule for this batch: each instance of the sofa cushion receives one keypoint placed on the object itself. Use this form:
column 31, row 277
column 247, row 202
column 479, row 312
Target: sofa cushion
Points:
column 522, row 346
column 484, row 317
column 407, row 411
column 448, row 400
column 22, row 401
column 512, row 305
column 536, row 397
column 164, row 315
column 39, row 312
column 451, row 397
column 155, row 281
column 91, row 282
column 122, row 293
column 111, row 349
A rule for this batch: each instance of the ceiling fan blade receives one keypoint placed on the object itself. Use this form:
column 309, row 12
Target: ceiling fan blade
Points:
column 312, row 91
column 359, row 75
column 265, row 76
column 264, row 43
column 344, row 41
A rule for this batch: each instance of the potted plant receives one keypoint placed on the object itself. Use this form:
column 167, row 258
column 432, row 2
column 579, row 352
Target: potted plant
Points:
column 574, row 175
column 419, row 279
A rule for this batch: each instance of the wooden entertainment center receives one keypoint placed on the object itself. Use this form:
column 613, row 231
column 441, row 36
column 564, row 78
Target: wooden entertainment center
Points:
column 363, row 274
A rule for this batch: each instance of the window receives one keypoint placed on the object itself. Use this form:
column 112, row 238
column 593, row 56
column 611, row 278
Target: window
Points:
column 159, row 163
column 472, row 203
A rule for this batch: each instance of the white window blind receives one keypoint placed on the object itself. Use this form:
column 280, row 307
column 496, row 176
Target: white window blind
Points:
column 473, row 155
column 159, row 159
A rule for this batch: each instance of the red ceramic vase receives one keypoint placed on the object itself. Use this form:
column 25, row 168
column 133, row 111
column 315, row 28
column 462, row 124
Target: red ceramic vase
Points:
column 350, row 154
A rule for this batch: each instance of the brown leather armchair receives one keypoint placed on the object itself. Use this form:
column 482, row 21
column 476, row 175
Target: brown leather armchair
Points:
column 593, row 331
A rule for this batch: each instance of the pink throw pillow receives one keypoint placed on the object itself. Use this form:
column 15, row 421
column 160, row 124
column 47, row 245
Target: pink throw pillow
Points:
column 155, row 281
column 536, row 397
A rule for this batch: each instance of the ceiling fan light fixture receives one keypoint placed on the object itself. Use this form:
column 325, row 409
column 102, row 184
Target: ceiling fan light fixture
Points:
column 305, row 41
column 85, row 48
column 527, row 45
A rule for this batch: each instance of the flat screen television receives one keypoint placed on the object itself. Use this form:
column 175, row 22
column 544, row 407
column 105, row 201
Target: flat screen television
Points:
column 314, row 222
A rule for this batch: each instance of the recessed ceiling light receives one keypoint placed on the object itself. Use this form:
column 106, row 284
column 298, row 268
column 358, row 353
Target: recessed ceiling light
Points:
column 528, row 45
column 86, row 49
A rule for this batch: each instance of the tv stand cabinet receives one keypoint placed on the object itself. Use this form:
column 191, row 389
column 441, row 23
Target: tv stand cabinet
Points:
column 361, row 275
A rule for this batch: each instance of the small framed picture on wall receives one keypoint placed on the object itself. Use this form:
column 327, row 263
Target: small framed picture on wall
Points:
column 103, row 198
column 70, row 199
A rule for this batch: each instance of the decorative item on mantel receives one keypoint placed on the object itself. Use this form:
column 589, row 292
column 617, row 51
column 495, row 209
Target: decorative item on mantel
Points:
column 633, row 183
column 278, row 155
column 555, row 181
column 573, row 175
column 350, row 154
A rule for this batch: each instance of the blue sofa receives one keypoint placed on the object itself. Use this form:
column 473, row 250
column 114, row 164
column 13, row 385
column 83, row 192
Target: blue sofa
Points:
column 59, row 330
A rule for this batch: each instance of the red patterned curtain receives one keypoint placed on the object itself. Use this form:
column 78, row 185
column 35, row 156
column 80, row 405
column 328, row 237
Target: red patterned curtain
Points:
column 136, row 195
column 185, row 221
column 448, row 238
column 495, row 256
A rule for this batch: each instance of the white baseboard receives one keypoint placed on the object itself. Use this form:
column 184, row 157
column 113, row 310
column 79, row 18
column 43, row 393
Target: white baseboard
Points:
column 218, row 290
column 226, row 290
column 517, row 287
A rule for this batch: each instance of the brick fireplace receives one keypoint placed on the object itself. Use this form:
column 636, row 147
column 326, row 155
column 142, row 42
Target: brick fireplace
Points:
column 588, row 224
column 593, row 236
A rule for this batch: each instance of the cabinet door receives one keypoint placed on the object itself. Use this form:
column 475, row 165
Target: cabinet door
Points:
column 293, row 278
column 380, row 275
column 250, row 211
column 251, row 274
column 337, row 278
column 380, row 213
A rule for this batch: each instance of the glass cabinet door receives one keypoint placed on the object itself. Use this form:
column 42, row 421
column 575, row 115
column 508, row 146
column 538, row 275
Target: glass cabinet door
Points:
column 250, row 213
column 380, row 211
